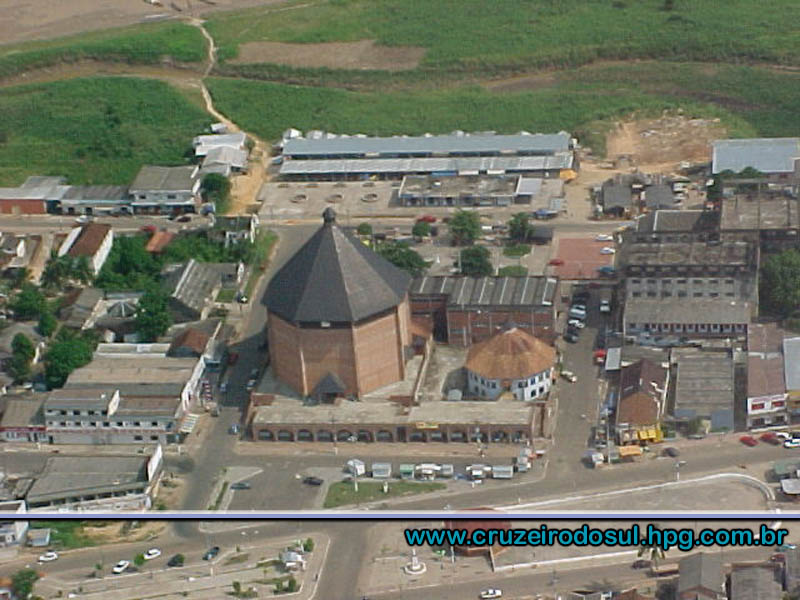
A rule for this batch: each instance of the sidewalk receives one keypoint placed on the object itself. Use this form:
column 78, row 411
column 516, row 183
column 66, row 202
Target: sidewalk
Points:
column 205, row 582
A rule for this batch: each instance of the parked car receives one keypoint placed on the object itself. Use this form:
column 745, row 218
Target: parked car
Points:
column 605, row 306
column 555, row 262
column 778, row 558
column 491, row 594
column 251, row 384
column 607, row 250
column 152, row 553
column 233, row 357
column 151, row 229
column 313, row 480
column 234, row 429
column 184, row 219
column 671, row 452
column 211, row 553
column 82, row 219
column 569, row 376
column 426, row 219
column 577, row 312
column 240, row 485
column 791, row 443
column 121, row 567
column 607, row 271
column 571, row 337
column 545, row 214
column 783, row 435
column 48, row 556
column 176, row 561
column 641, row 564
column 770, row 438
column 604, row 237
column 576, row 323
column 786, row 547
column 748, row 440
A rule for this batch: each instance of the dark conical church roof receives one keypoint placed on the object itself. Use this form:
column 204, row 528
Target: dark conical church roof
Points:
column 335, row 278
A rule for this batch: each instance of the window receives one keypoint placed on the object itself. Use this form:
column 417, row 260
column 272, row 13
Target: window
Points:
column 119, row 423
column 778, row 404
column 63, row 423
column 651, row 294
column 154, row 438
column 171, row 196
column 666, row 294
column 76, row 412
column 698, row 294
column 63, row 412
column 682, row 294
column 154, row 423
column 106, row 424
column 142, row 197
column 758, row 406
column 521, row 385
column 92, row 423
column 137, row 423
column 714, row 294
column 636, row 294
column 138, row 438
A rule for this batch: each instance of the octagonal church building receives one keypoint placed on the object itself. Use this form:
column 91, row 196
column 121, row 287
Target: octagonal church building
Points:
column 338, row 318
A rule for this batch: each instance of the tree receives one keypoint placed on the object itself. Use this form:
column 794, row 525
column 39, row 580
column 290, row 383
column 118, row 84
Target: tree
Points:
column 520, row 228
column 475, row 262
column 237, row 588
column 653, row 551
column 22, row 583
column 152, row 316
column 23, row 346
column 47, row 323
column 465, row 227
column 421, row 229
column 138, row 560
column 29, row 303
column 308, row 545
column 217, row 189
column 81, row 270
column 291, row 585
column 400, row 255
column 68, row 353
column 780, row 283
column 364, row 229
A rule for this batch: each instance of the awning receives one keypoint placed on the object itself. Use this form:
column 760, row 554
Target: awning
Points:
column 630, row 451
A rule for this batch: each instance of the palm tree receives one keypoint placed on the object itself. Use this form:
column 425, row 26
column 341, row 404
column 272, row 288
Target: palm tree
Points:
column 653, row 551
column 81, row 269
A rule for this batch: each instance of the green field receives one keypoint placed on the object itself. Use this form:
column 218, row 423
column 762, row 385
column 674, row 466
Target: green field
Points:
column 496, row 36
column 342, row 493
column 95, row 130
column 142, row 44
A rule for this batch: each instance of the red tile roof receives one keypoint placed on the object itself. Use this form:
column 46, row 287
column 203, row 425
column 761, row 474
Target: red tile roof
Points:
column 159, row 241
column 89, row 240
column 511, row 354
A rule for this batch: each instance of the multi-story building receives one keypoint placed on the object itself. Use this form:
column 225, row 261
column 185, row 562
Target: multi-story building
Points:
column 93, row 241
column 158, row 190
column 766, row 385
column 12, row 532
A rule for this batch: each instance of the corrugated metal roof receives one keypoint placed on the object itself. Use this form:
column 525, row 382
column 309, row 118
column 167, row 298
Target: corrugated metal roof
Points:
column 488, row 291
column 498, row 164
column 791, row 364
column 448, row 144
column 768, row 155
column 164, row 178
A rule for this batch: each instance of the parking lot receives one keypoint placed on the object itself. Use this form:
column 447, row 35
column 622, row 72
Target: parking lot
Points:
column 579, row 258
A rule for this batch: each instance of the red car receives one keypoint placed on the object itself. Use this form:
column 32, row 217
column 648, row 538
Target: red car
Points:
column 556, row 262
column 151, row 229
column 748, row 440
column 770, row 438
column 426, row 219
column 232, row 358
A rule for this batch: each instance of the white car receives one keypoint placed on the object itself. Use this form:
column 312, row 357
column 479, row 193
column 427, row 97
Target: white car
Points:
column 604, row 237
column 576, row 323
column 569, row 376
column 152, row 553
column 121, row 567
column 783, row 435
column 607, row 250
column 48, row 557
column 491, row 594
column 251, row 384
column 794, row 443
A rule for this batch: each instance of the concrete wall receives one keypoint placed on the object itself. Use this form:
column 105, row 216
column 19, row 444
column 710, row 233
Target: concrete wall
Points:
column 530, row 388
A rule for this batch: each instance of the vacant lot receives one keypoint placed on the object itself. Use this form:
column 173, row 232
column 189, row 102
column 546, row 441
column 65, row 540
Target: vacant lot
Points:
column 96, row 130
column 503, row 35
column 342, row 55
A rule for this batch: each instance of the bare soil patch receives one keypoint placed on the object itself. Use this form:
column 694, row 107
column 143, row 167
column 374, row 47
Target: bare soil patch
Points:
column 364, row 54
column 43, row 19
column 665, row 141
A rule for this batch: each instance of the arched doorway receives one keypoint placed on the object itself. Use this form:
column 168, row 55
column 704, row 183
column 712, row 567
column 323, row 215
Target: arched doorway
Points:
column 304, row 435
column 364, row 435
column 343, row 435
column 417, row 436
column 266, row 435
column 323, row 435
column 285, row 436
column 384, row 436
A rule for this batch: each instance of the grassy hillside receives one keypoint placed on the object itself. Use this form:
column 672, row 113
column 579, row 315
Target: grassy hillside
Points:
column 493, row 36
column 96, row 130
column 143, row 44
column 749, row 100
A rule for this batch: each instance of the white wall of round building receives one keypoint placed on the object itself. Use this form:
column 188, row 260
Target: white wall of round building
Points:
column 530, row 388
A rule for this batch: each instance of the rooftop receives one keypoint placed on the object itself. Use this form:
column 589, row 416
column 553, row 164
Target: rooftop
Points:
column 114, row 193
column 225, row 155
column 791, row 354
column 144, row 406
column 768, row 155
column 694, row 252
column 765, row 338
column 190, row 339
column 765, row 376
column 455, row 143
column 760, row 212
column 158, row 241
column 659, row 196
column 22, row 413
column 677, row 221
column 704, row 381
column 80, row 397
column 458, row 186
column 755, row 583
column 334, row 278
column 292, row 412
column 494, row 165
column 510, row 354
column 178, row 179
column 687, row 311
column 191, row 283
column 488, row 291
column 90, row 239
column 78, row 475
column 700, row 570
